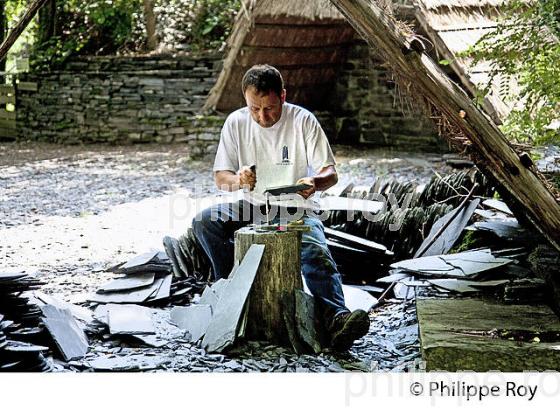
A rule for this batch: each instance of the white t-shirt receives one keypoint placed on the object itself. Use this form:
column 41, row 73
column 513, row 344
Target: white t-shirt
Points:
column 293, row 148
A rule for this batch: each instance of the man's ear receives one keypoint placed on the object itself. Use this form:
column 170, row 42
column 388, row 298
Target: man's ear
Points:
column 283, row 96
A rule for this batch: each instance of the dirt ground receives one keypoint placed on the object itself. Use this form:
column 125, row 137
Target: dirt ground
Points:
column 69, row 212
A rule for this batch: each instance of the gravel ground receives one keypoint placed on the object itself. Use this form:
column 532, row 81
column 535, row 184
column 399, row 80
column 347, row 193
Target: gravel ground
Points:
column 68, row 212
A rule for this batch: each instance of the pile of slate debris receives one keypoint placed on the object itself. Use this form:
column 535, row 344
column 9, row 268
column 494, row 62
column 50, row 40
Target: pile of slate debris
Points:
column 162, row 313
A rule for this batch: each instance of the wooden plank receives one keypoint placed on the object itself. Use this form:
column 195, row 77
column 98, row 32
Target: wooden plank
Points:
column 27, row 86
column 492, row 152
column 6, row 89
column 8, row 115
column 8, row 124
column 7, row 99
column 8, row 133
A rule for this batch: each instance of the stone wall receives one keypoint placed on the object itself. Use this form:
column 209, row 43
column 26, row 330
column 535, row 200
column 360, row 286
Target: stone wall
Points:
column 367, row 107
column 121, row 100
column 158, row 99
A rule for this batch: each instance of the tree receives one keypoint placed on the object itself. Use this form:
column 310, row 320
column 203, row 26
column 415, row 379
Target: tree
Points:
column 46, row 28
column 525, row 45
column 150, row 17
column 2, row 35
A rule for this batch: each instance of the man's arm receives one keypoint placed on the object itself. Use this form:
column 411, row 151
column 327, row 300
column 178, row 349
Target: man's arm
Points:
column 231, row 181
column 326, row 178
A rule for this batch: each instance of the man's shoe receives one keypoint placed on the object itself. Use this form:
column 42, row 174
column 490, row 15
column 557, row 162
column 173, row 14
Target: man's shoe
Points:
column 347, row 327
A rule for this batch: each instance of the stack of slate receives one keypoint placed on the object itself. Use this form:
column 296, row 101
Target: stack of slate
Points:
column 187, row 257
column 20, row 326
column 409, row 214
column 147, row 279
column 451, row 187
column 464, row 272
column 498, row 223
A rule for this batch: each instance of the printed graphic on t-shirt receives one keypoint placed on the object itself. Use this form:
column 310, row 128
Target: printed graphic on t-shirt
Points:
column 285, row 157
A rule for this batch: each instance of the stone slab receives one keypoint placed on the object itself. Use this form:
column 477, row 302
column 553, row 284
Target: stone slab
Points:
column 460, row 334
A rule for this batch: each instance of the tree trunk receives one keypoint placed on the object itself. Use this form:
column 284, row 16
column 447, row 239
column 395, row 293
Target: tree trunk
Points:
column 150, row 19
column 517, row 179
column 47, row 22
column 2, row 35
column 279, row 275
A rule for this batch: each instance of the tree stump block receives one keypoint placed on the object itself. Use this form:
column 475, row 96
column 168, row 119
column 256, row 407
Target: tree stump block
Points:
column 278, row 276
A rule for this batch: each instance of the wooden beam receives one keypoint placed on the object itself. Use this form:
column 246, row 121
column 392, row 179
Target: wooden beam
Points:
column 243, row 25
column 488, row 146
column 20, row 27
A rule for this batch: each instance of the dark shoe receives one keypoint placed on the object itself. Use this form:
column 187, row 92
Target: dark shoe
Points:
column 347, row 327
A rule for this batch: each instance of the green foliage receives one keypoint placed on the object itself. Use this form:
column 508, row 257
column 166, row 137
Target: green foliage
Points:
column 105, row 27
column 213, row 21
column 525, row 46
column 87, row 27
column 195, row 24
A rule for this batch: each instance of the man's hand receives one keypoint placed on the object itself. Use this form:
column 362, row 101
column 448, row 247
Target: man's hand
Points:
column 247, row 178
column 308, row 192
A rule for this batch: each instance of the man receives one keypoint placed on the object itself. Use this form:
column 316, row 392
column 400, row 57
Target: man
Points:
column 271, row 143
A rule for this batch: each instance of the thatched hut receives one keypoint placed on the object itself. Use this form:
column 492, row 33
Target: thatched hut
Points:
column 454, row 26
column 306, row 40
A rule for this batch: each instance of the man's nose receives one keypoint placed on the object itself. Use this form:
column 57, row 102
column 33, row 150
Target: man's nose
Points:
column 262, row 116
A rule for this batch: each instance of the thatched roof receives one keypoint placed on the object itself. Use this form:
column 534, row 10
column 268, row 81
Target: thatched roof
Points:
column 454, row 26
column 311, row 10
column 434, row 4
column 305, row 40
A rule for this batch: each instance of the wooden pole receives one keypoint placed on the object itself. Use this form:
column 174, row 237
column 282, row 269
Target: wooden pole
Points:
column 20, row 27
column 491, row 150
column 278, row 277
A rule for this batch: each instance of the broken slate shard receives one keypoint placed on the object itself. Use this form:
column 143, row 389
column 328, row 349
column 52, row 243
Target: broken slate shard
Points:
column 222, row 330
column 357, row 299
column 138, row 362
column 194, row 319
column 129, row 320
column 465, row 286
column 139, row 260
column 458, row 265
column 508, row 229
column 356, row 242
column 164, row 289
column 209, row 297
column 394, row 277
column 456, row 221
column 83, row 314
column 171, row 246
column 131, row 296
column 305, row 321
column 498, row 205
column 65, row 331
column 129, row 282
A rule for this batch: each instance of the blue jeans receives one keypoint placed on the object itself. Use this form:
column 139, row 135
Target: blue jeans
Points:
column 215, row 227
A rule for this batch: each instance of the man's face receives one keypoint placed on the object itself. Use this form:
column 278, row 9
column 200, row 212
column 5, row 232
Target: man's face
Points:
column 265, row 108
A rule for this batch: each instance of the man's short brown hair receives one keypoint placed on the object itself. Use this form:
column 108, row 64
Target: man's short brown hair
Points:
column 264, row 78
